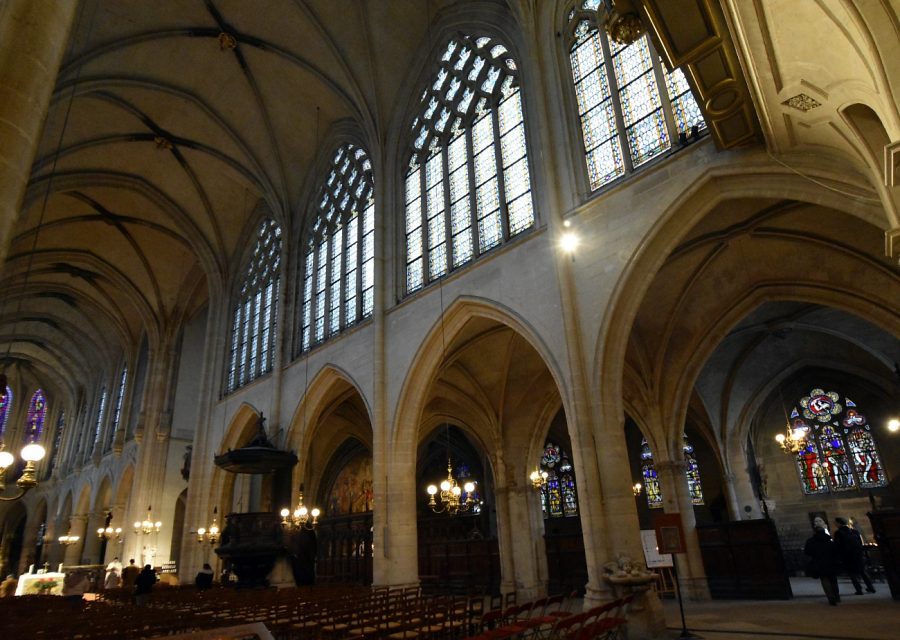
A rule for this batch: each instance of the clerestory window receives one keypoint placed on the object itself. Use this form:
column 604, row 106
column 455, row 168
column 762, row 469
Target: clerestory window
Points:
column 468, row 184
column 627, row 119
column 256, row 312
column 338, row 266
column 117, row 410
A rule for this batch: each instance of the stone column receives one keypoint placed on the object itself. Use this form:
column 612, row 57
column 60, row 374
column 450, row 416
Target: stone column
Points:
column 677, row 499
column 33, row 37
column 506, row 538
column 527, row 541
column 396, row 559
column 77, row 527
column 91, row 552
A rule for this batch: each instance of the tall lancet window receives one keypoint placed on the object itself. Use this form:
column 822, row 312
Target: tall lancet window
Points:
column 101, row 413
column 631, row 109
column 5, row 409
column 57, row 439
column 117, row 410
column 468, row 183
column 37, row 413
column 338, row 265
column 255, row 314
column 559, row 496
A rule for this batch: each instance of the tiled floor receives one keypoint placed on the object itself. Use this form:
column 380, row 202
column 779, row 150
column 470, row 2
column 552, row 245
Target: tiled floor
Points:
column 808, row 615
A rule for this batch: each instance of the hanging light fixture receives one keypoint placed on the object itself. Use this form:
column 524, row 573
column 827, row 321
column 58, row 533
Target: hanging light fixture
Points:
column 148, row 526
column 110, row 532
column 68, row 539
column 210, row 534
column 538, row 478
column 31, row 453
column 793, row 440
column 636, row 489
column 301, row 517
column 451, row 498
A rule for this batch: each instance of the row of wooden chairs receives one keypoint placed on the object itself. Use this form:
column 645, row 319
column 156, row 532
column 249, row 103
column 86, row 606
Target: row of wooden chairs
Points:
column 541, row 620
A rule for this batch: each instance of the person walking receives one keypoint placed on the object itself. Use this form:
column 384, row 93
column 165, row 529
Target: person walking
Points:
column 144, row 584
column 850, row 551
column 112, row 580
column 130, row 574
column 823, row 563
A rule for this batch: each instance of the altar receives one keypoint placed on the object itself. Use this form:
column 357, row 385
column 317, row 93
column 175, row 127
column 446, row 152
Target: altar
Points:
column 50, row 584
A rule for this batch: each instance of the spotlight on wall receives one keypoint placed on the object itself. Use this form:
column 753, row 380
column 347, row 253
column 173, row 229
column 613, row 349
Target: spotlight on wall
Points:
column 568, row 242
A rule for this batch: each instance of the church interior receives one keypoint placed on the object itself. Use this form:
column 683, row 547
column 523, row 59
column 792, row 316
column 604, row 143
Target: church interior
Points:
column 283, row 255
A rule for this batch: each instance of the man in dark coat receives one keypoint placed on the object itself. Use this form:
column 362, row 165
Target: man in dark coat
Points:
column 144, row 584
column 823, row 562
column 850, row 551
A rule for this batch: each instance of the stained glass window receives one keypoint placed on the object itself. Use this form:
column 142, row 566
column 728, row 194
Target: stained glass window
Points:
column 692, row 472
column 5, row 409
column 620, row 102
column 338, row 267
column 256, row 312
column 559, row 495
column 37, row 413
column 117, row 410
column 651, row 477
column 101, row 411
column 57, row 439
column 839, row 452
column 468, row 184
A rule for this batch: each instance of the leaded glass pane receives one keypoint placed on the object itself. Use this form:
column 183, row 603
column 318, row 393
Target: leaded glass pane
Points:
column 255, row 313
column 5, row 409
column 473, row 75
column 521, row 214
column 101, row 411
column 345, row 223
column 631, row 91
column 866, row 461
column 684, row 107
column 839, row 452
column 559, row 496
column 651, row 477
column 693, row 473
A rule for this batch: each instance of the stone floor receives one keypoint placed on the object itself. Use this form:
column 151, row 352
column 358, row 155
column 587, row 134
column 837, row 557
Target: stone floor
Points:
column 808, row 615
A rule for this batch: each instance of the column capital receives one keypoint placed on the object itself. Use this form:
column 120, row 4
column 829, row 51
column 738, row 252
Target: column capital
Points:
column 678, row 466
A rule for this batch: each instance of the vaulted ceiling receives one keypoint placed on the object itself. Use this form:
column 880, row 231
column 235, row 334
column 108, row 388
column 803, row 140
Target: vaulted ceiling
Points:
column 168, row 127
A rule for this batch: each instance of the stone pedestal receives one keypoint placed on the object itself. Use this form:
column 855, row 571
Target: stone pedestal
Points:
column 646, row 618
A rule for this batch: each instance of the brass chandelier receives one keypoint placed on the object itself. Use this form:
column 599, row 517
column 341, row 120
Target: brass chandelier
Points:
column 301, row 517
column 451, row 500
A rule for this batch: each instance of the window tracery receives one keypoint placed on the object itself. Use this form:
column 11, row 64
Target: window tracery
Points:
column 626, row 99
column 255, row 315
column 840, row 452
column 337, row 288
column 559, row 495
column 468, row 184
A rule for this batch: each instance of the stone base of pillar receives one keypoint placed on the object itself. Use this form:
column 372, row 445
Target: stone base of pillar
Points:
column 282, row 575
column 528, row 594
column 597, row 594
column 694, row 589
column 646, row 618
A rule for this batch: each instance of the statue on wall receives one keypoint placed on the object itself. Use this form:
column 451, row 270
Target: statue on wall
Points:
column 186, row 467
